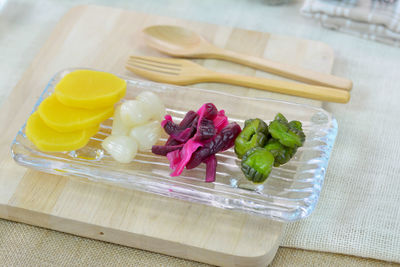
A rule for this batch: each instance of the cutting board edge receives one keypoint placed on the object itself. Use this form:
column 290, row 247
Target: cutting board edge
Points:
column 129, row 239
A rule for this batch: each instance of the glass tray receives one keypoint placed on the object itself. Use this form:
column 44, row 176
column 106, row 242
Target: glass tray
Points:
column 290, row 193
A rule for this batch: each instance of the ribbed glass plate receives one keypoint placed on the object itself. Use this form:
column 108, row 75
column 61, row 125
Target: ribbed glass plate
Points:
column 290, row 193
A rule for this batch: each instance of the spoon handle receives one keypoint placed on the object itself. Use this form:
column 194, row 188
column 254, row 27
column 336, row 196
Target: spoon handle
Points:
column 284, row 87
column 284, row 70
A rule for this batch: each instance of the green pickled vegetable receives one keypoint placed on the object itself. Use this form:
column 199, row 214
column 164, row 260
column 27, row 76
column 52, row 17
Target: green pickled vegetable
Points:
column 257, row 164
column 282, row 154
column 254, row 134
column 261, row 146
column 289, row 134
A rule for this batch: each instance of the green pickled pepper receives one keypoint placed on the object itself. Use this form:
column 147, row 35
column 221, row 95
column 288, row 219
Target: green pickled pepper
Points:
column 254, row 134
column 257, row 164
column 281, row 153
column 289, row 134
column 262, row 146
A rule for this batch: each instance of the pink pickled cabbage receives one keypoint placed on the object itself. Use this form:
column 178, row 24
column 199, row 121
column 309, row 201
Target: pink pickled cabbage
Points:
column 185, row 154
column 211, row 168
column 185, row 139
column 221, row 121
column 167, row 118
column 174, row 158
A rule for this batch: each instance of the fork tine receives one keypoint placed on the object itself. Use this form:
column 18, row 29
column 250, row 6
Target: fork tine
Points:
column 152, row 67
column 172, row 62
column 152, row 74
column 169, row 70
column 144, row 73
column 151, row 64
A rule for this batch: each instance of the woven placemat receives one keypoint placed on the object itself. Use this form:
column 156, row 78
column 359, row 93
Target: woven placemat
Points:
column 25, row 245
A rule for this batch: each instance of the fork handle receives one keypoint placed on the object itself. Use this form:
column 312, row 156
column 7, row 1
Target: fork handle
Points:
column 290, row 88
column 284, row 70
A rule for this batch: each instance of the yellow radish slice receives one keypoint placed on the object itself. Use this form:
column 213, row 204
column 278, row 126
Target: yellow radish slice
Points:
column 90, row 89
column 66, row 119
column 48, row 140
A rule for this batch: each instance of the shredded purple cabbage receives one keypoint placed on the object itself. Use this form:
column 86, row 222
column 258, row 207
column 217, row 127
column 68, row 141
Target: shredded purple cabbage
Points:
column 211, row 168
column 164, row 150
column 197, row 138
column 221, row 142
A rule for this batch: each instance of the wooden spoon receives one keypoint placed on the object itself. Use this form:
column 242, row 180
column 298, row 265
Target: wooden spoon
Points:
column 182, row 42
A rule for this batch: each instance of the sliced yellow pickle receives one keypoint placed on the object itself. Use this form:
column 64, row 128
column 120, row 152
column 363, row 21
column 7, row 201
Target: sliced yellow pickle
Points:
column 48, row 140
column 90, row 89
column 66, row 119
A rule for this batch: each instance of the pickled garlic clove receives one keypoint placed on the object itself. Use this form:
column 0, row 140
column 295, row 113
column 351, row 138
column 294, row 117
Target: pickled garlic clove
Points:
column 122, row 148
column 118, row 126
column 146, row 135
column 135, row 112
column 154, row 101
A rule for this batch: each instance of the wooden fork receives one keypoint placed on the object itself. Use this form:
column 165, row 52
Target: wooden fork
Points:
column 184, row 72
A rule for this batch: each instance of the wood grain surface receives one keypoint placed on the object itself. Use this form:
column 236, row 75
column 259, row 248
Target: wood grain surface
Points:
column 103, row 38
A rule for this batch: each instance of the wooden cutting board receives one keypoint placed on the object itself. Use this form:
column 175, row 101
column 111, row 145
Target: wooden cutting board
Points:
column 103, row 38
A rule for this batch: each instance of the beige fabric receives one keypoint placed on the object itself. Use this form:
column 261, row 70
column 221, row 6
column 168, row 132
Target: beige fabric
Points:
column 359, row 211
column 24, row 245
column 374, row 20
column 290, row 257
